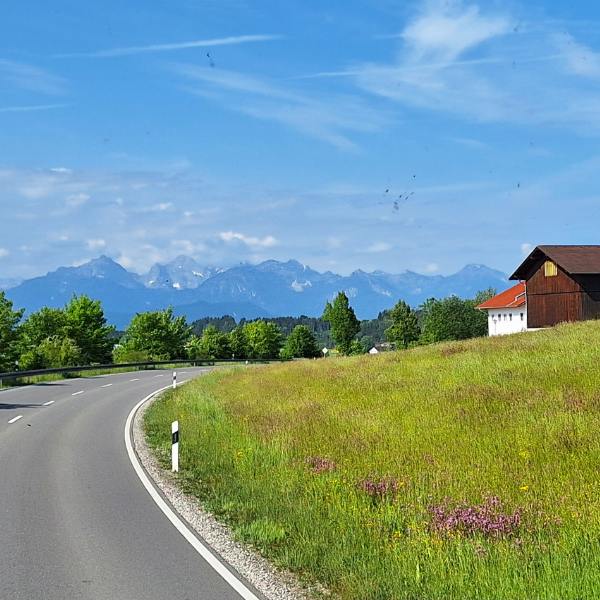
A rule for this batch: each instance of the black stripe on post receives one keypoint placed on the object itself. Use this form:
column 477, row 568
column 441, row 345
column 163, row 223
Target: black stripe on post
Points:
column 175, row 437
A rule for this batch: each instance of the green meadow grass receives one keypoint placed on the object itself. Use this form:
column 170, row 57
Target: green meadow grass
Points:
column 516, row 418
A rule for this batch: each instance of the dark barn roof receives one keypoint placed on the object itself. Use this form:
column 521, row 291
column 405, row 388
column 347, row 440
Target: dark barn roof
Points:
column 575, row 260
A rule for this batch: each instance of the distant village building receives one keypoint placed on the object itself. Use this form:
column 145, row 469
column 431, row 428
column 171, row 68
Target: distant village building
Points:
column 382, row 347
column 507, row 312
column 562, row 284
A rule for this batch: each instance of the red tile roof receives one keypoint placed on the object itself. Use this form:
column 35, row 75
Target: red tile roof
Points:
column 511, row 298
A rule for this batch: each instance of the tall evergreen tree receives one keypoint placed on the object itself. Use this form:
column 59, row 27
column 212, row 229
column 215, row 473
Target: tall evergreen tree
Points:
column 343, row 322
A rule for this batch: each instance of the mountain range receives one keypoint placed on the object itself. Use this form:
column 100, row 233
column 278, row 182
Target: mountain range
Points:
column 271, row 288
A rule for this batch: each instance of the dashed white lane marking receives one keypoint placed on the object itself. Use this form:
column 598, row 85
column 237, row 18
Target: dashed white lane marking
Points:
column 15, row 419
column 48, row 403
column 198, row 546
column 134, row 380
column 106, row 385
column 159, row 376
column 77, row 393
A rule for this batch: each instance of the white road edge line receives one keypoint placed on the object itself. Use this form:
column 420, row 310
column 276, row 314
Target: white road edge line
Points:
column 48, row 403
column 200, row 548
column 15, row 419
column 106, row 385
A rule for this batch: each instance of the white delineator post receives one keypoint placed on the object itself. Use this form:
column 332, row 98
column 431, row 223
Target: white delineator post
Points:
column 175, row 446
column 174, row 379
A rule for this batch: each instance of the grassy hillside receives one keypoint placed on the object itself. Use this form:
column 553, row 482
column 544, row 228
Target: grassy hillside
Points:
column 463, row 470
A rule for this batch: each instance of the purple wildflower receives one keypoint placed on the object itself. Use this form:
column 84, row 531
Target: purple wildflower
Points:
column 486, row 519
column 320, row 464
column 379, row 489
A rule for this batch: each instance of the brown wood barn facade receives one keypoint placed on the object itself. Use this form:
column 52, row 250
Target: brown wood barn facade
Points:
column 562, row 284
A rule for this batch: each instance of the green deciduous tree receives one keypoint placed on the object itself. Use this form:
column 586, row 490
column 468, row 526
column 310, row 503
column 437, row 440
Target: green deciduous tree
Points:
column 367, row 342
column 264, row 339
column 9, row 320
column 405, row 327
column 343, row 322
column 211, row 344
column 356, row 348
column 86, row 326
column 238, row 343
column 44, row 323
column 125, row 354
column 453, row 319
column 52, row 353
column 159, row 335
column 301, row 343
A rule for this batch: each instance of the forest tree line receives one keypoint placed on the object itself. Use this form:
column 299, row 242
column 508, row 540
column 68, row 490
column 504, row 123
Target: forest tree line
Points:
column 78, row 333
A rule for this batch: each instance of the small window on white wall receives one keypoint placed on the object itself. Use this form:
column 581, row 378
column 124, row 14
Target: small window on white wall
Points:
column 522, row 317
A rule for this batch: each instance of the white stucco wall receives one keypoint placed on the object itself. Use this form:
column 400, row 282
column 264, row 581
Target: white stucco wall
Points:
column 502, row 321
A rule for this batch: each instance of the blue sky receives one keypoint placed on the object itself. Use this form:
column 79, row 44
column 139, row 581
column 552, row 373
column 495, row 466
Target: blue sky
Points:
column 356, row 134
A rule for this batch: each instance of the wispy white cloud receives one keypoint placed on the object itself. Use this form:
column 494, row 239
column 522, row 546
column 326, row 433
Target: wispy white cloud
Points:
column 526, row 248
column 470, row 143
column 188, row 247
column 31, row 108
column 577, row 58
column 95, row 244
column 474, row 63
column 159, row 207
column 378, row 247
column 151, row 48
column 326, row 229
column 330, row 118
column 28, row 77
column 444, row 31
column 76, row 200
column 255, row 242
column 333, row 243
column 4, row 252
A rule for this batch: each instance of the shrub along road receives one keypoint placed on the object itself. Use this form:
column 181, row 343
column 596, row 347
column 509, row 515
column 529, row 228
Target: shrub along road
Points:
column 76, row 520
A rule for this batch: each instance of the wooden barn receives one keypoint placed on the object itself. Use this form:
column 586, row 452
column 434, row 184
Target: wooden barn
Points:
column 562, row 284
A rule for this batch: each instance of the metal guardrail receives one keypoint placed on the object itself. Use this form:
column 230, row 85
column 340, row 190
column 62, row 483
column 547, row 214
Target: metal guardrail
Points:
column 152, row 364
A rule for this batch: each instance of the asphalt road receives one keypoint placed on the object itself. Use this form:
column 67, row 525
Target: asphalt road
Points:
column 75, row 520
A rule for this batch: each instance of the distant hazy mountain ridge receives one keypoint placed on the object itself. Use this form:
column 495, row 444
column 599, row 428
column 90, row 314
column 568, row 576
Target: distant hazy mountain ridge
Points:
column 183, row 273
column 271, row 288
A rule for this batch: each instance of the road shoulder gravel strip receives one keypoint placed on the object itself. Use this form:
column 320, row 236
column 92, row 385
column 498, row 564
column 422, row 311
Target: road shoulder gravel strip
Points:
column 273, row 583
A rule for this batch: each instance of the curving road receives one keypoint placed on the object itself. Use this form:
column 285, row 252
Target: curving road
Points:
column 75, row 520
